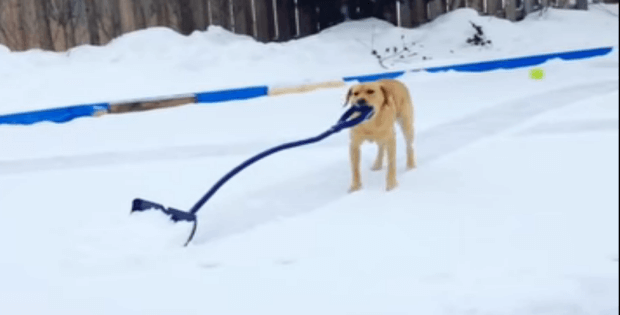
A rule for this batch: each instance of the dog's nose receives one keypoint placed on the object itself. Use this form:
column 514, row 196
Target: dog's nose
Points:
column 361, row 102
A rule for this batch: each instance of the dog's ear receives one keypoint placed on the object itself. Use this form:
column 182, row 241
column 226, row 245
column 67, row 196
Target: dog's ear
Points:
column 387, row 97
column 349, row 93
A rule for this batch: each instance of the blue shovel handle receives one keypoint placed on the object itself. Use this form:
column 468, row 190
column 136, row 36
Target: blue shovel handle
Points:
column 365, row 112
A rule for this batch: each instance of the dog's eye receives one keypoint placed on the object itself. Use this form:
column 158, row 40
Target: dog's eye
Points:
column 370, row 92
column 356, row 93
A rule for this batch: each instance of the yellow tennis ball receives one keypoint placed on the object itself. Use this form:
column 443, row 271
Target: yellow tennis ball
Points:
column 537, row 74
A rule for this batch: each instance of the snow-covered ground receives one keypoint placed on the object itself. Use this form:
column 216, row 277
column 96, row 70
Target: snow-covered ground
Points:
column 512, row 210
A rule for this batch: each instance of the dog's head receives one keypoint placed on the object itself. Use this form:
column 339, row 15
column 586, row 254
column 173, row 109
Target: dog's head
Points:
column 372, row 94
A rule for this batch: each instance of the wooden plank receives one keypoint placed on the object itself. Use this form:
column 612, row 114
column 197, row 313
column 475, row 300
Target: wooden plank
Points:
column 127, row 16
column 511, row 10
column 57, row 29
column 308, row 18
column 185, row 16
column 528, row 6
column 198, row 9
column 457, row 4
column 220, row 11
column 151, row 15
column 436, row 8
column 144, row 105
column 388, row 11
column 104, row 20
column 329, row 13
column 79, row 22
column 583, row 4
column 174, row 18
column 494, row 7
column 164, row 14
column 45, row 33
column 265, row 24
column 305, row 88
column 29, row 24
column 145, row 13
column 63, row 15
column 418, row 14
column 139, row 14
column 287, row 28
column 476, row 5
column 10, row 25
column 93, row 25
column 406, row 14
column 242, row 12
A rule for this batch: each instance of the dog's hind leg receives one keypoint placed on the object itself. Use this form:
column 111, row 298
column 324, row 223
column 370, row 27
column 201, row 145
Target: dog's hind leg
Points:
column 406, row 125
column 378, row 165
column 391, row 154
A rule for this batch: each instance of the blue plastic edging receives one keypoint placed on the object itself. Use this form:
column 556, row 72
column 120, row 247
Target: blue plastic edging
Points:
column 65, row 114
column 57, row 115
column 521, row 62
column 374, row 77
column 232, row 94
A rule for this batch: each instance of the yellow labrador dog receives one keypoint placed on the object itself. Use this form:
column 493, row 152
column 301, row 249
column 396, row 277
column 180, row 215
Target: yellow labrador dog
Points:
column 392, row 104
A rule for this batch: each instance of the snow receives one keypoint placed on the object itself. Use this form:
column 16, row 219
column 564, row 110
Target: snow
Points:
column 512, row 210
column 160, row 62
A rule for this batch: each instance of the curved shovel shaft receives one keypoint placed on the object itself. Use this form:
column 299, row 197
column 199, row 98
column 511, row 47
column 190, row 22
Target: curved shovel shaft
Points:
column 365, row 113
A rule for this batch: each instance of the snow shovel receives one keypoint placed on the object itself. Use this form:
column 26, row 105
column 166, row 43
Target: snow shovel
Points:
column 364, row 112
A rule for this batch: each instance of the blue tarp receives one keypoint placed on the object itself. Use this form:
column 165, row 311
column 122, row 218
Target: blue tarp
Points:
column 232, row 94
column 57, row 115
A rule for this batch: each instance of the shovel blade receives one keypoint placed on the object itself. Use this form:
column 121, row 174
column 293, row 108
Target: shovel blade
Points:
column 175, row 214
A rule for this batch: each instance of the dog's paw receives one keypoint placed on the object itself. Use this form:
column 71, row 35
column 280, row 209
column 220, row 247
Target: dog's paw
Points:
column 412, row 162
column 376, row 167
column 391, row 185
column 355, row 187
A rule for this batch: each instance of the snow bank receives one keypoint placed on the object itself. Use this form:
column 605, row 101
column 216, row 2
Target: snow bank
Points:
column 159, row 61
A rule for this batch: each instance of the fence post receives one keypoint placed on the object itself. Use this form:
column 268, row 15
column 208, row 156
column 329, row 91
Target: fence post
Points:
column 220, row 11
column 477, row 5
column 419, row 14
column 582, row 4
column 242, row 11
column 308, row 18
column 265, row 24
column 436, row 8
column 45, row 32
column 388, row 11
column 93, row 27
column 457, row 4
column 494, row 7
column 126, row 15
column 186, row 16
column 406, row 13
column 287, row 28
column 199, row 11
column 9, row 24
column 29, row 24
column 511, row 10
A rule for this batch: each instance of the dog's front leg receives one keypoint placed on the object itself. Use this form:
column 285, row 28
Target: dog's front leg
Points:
column 354, row 154
column 391, row 154
column 378, row 165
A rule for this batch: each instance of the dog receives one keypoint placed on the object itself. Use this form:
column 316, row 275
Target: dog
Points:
column 392, row 104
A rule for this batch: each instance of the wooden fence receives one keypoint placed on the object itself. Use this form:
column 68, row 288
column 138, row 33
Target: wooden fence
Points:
column 59, row 25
